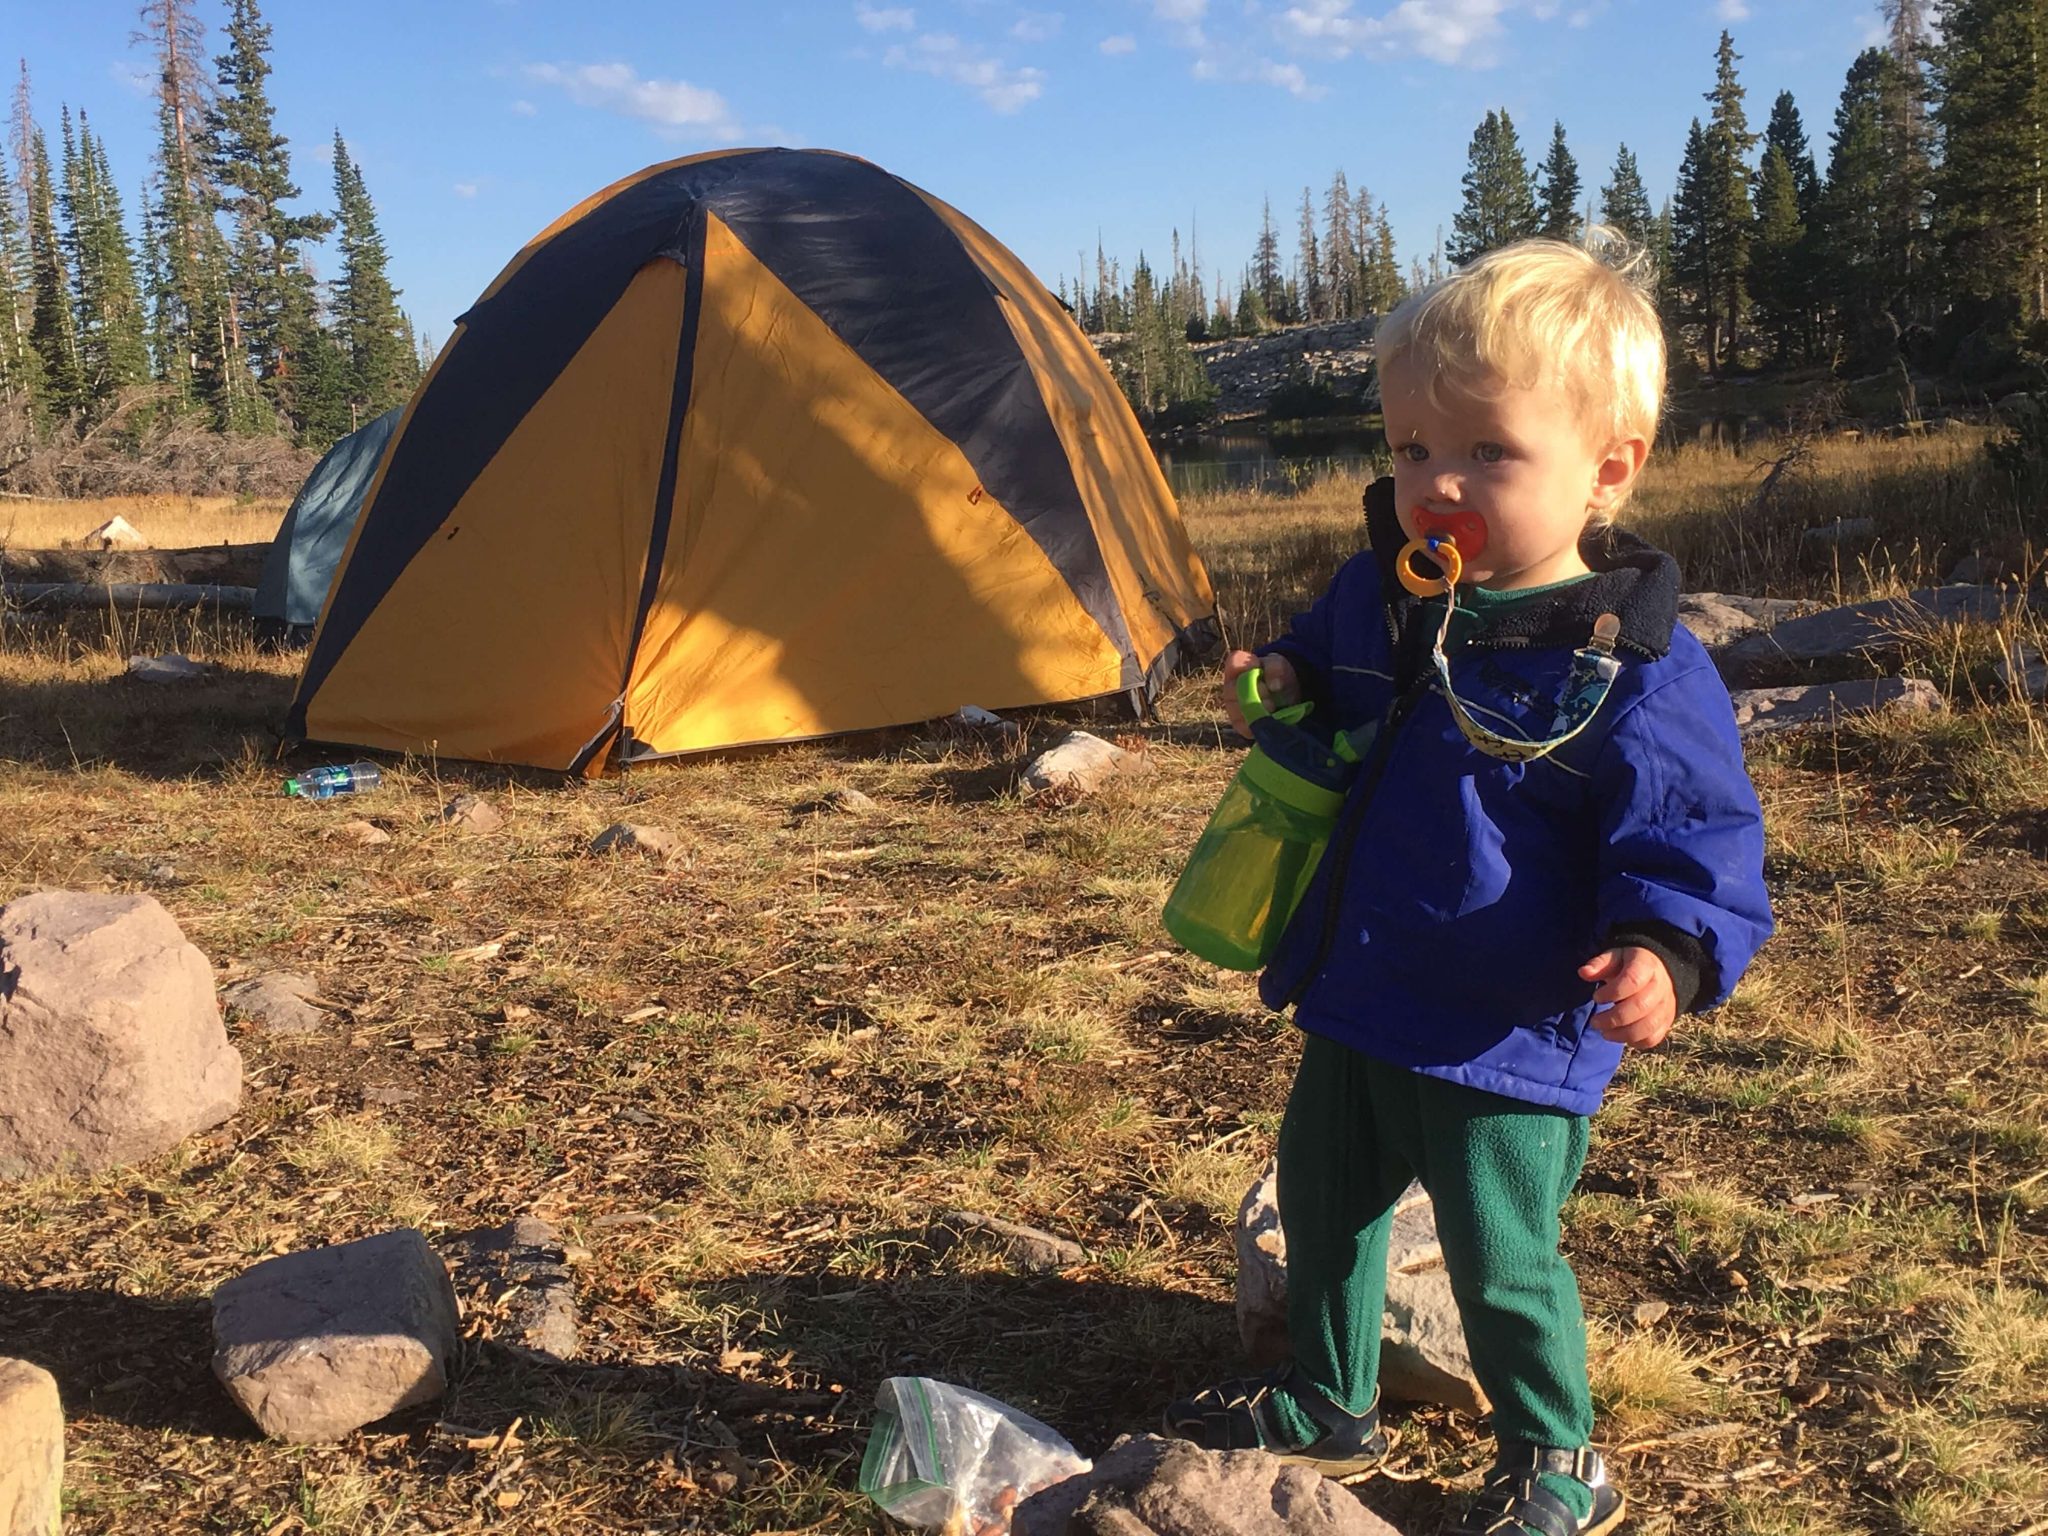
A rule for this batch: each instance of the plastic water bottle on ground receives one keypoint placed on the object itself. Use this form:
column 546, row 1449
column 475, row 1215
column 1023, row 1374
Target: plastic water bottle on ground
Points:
column 334, row 779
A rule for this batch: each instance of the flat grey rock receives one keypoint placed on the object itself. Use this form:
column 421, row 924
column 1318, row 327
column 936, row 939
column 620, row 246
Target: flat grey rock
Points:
column 1150, row 1486
column 472, row 813
column 111, row 1043
column 316, row 1344
column 1027, row 1249
column 1719, row 619
column 1423, row 1355
column 1843, row 530
column 171, row 668
column 31, row 1451
column 520, row 1273
column 657, row 843
column 1764, row 711
column 276, row 1003
column 1081, row 763
column 2024, row 674
column 1857, row 628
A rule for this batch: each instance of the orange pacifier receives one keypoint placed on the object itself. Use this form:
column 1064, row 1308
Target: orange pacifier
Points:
column 1443, row 540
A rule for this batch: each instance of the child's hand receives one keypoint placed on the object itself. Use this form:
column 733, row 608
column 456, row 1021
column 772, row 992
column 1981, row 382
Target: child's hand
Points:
column 1277, row 683
column 1638, row 1002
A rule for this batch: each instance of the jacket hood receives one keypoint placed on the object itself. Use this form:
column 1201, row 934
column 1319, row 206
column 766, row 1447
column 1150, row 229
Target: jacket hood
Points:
column 1632, row 579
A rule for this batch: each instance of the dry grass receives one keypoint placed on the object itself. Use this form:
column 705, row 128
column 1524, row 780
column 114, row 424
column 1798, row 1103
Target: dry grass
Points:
column 168, row 522
column 742, row 1084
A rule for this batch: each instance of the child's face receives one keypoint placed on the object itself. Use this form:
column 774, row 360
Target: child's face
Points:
column 1522, row 462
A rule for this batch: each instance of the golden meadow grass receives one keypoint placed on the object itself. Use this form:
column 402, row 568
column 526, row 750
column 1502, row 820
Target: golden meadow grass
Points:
column 743, row 1082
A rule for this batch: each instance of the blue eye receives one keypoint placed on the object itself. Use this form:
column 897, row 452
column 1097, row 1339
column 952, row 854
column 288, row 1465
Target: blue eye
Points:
column 1489, row 453
column 1414, row 453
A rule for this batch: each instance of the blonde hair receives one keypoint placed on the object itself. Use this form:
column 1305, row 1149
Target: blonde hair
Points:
column 1540, row 313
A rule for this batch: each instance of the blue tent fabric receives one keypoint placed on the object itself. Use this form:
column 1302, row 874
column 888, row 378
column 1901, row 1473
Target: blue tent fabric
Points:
column 309, row 544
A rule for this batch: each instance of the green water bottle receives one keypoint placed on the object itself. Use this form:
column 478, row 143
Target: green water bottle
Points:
column 1264, row 839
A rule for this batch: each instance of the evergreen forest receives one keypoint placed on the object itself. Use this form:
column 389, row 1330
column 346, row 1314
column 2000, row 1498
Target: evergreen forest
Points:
column 1908, row 234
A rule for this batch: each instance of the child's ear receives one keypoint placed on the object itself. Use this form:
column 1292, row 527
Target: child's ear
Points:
column 1617, row 472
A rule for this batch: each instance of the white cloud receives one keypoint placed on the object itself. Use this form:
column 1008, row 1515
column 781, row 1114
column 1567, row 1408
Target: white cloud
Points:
column 1732, row 10
column 1038, row 26
column 1289, row 77
column 1123, row 42
column 899, row 18
column 618, row 88
column 524, row 108
column 1187, row 12
column 1449, row 31
column 1004, row 88
column 132, row 76
column 1872, row 32
column 465, row 189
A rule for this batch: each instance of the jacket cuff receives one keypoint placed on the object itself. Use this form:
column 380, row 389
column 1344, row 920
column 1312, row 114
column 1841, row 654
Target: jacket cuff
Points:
column 1693, row 978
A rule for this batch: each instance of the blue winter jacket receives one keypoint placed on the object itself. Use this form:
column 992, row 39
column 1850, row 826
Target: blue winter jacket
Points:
column 1460, row 894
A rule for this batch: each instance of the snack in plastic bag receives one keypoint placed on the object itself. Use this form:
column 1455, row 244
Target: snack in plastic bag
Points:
column 944, row 1458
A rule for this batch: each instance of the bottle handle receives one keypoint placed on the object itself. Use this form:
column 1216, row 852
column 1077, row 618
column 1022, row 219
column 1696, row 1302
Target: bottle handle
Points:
column 1255, row 707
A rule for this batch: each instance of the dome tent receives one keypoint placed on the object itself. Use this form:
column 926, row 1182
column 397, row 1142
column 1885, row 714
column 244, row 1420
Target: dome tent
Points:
column 309, row 542
column 753, row 446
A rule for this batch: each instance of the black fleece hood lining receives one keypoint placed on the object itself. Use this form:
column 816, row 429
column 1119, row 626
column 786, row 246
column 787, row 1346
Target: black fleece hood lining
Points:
column 1632, row 579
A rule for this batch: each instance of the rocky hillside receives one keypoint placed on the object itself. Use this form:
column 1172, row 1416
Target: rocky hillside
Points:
column 1246, row 370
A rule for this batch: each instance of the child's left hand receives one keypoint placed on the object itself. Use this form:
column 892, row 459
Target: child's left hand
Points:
column 1640, row 1004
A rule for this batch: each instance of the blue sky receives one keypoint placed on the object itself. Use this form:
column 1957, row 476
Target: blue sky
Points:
column 477, row 122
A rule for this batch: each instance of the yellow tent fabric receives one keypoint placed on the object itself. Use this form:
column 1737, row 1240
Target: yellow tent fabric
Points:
column 753, row 446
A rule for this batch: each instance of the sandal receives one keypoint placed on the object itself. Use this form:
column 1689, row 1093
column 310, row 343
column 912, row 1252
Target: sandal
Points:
column 1240, row 1415
column 1513, row 1503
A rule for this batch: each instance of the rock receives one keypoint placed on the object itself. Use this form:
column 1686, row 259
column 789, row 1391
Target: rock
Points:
column 31, row 1451
column 1423, row 1357
column 1762, row 711
column 1854, row 628
column 972, row 717
column 170, row 668
column 1028, row 1250
column 1975, row 571
column 1650, row 1313
column 1149, row 1486
column 364, row 834
column 471, row 813
column 521, row 1270
column 1843, row 530
column 1080, row 763
column 111, row 1043
column 116, row 533
column 656, row 843
column 276, row 1003
column 2024, row 674
column 315, row 1344
column 389, row 1095
column 1719, row 619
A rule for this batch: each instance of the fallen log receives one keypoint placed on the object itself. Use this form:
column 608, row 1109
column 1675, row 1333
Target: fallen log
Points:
column 127, row 594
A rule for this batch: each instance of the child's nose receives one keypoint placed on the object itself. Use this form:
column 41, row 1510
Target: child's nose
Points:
column 1448, row 487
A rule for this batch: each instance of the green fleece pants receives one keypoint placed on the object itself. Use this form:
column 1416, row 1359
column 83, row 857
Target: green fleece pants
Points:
column 1497, row 1171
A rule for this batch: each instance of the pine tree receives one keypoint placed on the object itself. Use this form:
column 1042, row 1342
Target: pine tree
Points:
column 1625, row 204
column 1696, row 252
column 1500, row 205
column 190, row 361
column 1786, row 132
column 250, row 160
column 1266, row 279
column 1340, row 250
column 1728, row 144
column 53, row 330
column 1851, row 206
column 21, row 374
column 1992, row 110
column 1906, row 206
column 1387, row 283
column 382, row 367
column 1562, row 218
column 1308, row 262
column 1778, row 257
column 107, row 307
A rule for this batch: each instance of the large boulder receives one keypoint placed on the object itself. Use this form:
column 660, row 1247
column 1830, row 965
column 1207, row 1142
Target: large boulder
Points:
column 1859, row 629
column 1423, row 1355
column 1153, row 1487
column 31, row 1451
column 1719, row 619
column 315, row 1344
column 1080, row 763
column 1764, row 711
column 111, row 1044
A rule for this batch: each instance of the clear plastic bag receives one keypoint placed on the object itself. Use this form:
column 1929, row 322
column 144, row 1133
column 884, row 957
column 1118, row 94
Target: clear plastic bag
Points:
column 944, row 1458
